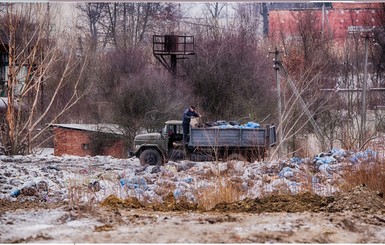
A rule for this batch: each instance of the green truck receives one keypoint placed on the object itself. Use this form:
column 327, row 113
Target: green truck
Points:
column 205, row 143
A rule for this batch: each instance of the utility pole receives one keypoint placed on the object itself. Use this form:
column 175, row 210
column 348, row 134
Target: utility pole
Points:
column 280, row 126
column 317, row 130
column 365, row 32
column 366, row 35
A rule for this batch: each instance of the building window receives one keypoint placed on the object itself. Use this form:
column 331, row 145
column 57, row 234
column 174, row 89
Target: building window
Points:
column 85, row 146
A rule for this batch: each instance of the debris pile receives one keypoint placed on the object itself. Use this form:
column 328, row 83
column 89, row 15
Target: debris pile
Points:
column 359, row 199
column 51, row 179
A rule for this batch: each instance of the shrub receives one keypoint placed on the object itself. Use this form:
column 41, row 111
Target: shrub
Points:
column 371, row 174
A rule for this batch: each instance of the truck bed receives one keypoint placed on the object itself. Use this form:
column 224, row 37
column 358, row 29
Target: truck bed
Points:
column 233, row 137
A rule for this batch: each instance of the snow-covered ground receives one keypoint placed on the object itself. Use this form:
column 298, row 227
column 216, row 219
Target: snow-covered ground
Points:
column 50, row 178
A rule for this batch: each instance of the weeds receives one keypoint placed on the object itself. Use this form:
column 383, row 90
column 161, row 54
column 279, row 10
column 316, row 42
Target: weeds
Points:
column 223, row 190
column 82, row 191
column 371, row 174
column 81, row 194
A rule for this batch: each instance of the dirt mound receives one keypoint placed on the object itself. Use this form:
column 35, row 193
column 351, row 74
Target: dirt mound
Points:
column 359, row 199
column 113, row 201
column 277, row 203
column 170, row 204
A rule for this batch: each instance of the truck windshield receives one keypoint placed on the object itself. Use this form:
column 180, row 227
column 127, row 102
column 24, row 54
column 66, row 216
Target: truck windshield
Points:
column 172, row 129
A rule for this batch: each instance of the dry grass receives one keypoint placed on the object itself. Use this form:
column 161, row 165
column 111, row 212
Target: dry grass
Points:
column 372, row 174
column 80, row 194
column 222, row 191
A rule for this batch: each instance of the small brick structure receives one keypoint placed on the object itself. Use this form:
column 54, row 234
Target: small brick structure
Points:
column 89, row 140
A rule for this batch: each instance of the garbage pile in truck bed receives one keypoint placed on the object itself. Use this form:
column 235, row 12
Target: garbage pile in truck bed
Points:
column 53, row 179
column 231, row 124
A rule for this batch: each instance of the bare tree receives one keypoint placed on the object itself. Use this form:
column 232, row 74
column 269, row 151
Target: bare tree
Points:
column 351, row 79
column 314, row 66
column 310, row 66
column 93, row 13
column 31, row 59
column 378, row 56
column 248, row 20
column 231, row 78
column 123, row 25
column 215, row 11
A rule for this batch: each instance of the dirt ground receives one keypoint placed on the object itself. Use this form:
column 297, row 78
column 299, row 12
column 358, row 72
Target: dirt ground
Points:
column 354, row 217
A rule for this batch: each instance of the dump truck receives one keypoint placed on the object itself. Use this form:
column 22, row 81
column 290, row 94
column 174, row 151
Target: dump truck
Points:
column 205, row 143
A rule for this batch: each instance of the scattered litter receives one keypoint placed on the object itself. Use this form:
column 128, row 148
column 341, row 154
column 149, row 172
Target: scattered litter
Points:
column 15, row 193
column 134, row 182
column 363, row 156
column 296, row 160
column 286, row 172
column 55, row 179
column 324, row 160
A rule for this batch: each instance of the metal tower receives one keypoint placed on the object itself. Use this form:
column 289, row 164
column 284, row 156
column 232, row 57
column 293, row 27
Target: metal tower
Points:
column 175, row 46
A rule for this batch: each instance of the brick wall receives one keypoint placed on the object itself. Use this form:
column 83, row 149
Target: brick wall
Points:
column 284, row 23
column 80, row 143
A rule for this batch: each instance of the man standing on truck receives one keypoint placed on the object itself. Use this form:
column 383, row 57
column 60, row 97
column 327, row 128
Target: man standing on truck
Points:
column 187, row 114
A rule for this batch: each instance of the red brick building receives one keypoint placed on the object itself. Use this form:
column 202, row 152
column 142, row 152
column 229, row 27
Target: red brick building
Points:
column 89, row 140
column 337, row 20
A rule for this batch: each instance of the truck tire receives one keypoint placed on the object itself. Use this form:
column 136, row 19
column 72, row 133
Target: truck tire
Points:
column 236, row 156
column 150, row 157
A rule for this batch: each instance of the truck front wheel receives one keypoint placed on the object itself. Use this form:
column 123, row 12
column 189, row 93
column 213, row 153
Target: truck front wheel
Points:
column 150, row 157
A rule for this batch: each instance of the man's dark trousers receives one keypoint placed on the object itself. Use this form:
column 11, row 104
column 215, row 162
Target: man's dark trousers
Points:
column 186, row 129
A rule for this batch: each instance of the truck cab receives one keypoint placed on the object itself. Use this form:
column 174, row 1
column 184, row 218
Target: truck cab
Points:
column 173, row 133
column 156, row 148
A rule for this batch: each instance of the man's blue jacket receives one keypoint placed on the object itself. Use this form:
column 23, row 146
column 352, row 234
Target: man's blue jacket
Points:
column 187, row 114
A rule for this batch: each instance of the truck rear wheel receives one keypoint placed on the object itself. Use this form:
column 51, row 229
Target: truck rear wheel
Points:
column 150, row 157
